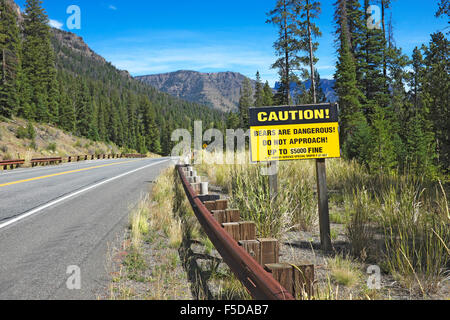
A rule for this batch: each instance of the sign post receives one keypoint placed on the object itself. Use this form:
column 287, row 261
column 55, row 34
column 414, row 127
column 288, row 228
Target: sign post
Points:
column 299, row 133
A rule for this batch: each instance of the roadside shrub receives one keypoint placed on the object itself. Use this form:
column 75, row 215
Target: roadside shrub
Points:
column 27, row 132
column 22, row 133
column 7, row 156
column 31, row 133
column 51, row 147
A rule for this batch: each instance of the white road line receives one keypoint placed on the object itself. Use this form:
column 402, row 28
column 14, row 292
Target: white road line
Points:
column 36, row 210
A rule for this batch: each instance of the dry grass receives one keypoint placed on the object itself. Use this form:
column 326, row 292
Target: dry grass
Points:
column 344, row 271
column 150, row 267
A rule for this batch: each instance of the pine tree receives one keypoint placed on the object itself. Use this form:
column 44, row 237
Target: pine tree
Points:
column 267, row 95
column 101, row 123
column 354, row 129
column 397, row 78
column 287, row 46
column 9, row 59
column 83, row 107
column 375, row 86
column 38, row 62
column 420, row 146
column 356, row 33
column 259, row 93
column 245, row 102
column 307, row 12
column 443, row 8
column 437, row 94
column 416, row 79
column 385, row 4
column 233, row 121
column 67, row 117
column 321, row 96
column 383, row 155
column 92, row 130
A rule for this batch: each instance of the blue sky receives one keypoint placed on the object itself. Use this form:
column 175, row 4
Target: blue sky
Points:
column 149, row 36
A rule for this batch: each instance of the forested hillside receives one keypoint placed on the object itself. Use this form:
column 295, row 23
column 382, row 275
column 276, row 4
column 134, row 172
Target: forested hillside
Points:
column 51, row 76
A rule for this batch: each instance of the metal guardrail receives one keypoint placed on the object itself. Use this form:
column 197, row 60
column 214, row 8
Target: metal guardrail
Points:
column 36, row 161
column 260, row 284
column 11, row 163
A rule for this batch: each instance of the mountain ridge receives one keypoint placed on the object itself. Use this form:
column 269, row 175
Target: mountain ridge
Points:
column 219, row 90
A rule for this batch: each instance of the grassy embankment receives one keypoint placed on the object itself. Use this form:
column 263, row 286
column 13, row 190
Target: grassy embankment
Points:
column 397, row 221
column 20, row 140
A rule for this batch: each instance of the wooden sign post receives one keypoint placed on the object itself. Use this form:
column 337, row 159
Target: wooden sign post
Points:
column 324, row 213
column 306, row 132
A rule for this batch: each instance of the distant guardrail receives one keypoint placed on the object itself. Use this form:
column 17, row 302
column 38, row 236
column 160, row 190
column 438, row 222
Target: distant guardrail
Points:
column 11, row 163
column 45, row 161
column 14, row 164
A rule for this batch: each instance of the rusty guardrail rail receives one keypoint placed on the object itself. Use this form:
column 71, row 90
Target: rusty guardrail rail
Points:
column 37, row 161
column 11, row 163
column 260, row 284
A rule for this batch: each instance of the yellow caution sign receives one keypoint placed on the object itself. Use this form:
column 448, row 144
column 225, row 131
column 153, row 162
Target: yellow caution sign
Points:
column 294, row 133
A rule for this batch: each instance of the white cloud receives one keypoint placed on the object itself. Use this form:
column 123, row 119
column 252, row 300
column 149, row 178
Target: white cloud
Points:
column 55, row 24
column 112, row 7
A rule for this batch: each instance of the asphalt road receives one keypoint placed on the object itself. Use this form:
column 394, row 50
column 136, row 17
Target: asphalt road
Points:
column 55, row 217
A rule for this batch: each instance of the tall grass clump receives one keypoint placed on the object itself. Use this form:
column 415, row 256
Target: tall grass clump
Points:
column 139, row 225
column 360, row 228
column 300, row 179
column 251, row 194
column 417, row 235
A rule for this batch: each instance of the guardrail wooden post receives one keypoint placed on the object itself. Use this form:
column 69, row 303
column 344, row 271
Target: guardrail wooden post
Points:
column 221, row 204
column 210, row 205
column 233, row 229
column 227, row 216
column 324, row 214
column 219, row 215
column 232, row 215
column 253, row 247
column 282, row 272
column 269, row 251
column 247, row 230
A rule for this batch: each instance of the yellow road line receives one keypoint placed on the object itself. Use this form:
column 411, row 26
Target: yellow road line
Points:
column 66, row 172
